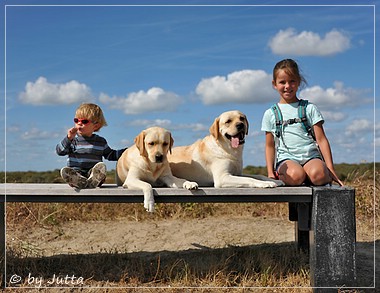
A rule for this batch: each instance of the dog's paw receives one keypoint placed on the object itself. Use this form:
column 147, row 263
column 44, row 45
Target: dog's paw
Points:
column 149, row 206
column 190, row 185
column 267, row 184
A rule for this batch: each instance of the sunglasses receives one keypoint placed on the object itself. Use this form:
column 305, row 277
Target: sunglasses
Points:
column 83, row 121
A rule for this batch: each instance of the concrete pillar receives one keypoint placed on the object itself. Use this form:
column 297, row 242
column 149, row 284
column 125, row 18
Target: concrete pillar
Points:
column 333, row 239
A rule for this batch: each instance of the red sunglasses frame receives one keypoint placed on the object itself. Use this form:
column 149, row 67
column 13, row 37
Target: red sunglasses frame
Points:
column 83, row 121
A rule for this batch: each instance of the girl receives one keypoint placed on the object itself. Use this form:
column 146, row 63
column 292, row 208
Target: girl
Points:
column 297, row 156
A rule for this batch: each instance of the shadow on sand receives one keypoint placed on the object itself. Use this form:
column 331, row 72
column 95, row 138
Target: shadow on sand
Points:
column 279, row 260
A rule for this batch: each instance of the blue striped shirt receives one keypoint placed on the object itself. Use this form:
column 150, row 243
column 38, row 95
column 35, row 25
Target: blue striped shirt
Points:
column 84, row 152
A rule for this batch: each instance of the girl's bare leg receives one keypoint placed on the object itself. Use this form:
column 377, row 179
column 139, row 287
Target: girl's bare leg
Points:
column 291, row 173
column 317, row 172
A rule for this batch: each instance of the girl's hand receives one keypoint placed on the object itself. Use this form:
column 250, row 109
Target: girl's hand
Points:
column 335, row 178
column 273, row 175
column 71, row 133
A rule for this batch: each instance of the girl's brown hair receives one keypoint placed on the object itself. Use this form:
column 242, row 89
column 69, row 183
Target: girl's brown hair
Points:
column 92, row 112
column 291, row 68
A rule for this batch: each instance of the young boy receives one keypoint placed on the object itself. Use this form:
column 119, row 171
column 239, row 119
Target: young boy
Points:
column 85, row 149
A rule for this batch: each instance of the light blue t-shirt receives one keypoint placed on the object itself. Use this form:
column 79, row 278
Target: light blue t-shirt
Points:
column 296, row 144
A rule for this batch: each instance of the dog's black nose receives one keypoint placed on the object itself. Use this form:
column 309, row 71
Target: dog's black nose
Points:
column 159, row 158
column 240, row 126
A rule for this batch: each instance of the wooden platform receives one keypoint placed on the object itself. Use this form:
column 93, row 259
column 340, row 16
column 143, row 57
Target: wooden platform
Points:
column 112, row 193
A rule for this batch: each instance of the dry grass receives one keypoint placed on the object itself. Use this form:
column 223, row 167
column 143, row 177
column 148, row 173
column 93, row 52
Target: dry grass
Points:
column 225, row 267
column 26, row 215
column 230, row 269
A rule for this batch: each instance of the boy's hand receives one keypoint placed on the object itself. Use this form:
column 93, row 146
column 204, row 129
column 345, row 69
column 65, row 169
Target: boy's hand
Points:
column 71, row 133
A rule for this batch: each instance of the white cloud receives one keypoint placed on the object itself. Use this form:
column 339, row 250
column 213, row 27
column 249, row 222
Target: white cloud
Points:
column 37, row 134
column 246, row 86
column 165, row 123
column 307, row 43
column 192, row 127
column 41, row 92
column 198, row 127
column 359, row 127
column 334, row 97
column 13, row 128
column 255, row 86
column 334, row 101
column 334, row 116
column 154, row 100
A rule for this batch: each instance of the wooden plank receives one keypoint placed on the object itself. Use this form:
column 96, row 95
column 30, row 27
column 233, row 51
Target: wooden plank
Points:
column 14, row 192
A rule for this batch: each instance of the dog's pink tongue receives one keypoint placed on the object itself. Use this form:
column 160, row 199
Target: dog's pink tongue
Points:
column 235, row 142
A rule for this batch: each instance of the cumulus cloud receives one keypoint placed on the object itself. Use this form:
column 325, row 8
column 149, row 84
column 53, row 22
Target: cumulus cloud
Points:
column 154, row 100
column 334, row 116
column 41, row 92
column 246, row 86
column 165, row 123
column 359, row 126
column 255, row 86
column 335, row 96
column 359, row 139
column 38, row 134
column 307, row 43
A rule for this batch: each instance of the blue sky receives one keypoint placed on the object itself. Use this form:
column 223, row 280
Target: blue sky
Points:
column 179, row 67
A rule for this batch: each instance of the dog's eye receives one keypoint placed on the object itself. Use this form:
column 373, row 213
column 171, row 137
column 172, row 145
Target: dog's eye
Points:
column 242, row 118
column 151, row 143
column 228, row 121
column 165, row 144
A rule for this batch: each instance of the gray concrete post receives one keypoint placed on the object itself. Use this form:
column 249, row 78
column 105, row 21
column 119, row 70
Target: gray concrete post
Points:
column 333, row 238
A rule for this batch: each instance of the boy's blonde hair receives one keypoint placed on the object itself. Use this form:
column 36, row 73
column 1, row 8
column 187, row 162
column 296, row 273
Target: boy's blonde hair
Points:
column 92, row 112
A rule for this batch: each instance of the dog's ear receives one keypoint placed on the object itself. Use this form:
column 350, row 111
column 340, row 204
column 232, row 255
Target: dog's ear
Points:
column 171, row 143
column 140, row 144
column 214, row 129
column 246, row 120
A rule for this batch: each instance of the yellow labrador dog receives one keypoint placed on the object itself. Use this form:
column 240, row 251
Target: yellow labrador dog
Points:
column 217, row 159
column 145, row 165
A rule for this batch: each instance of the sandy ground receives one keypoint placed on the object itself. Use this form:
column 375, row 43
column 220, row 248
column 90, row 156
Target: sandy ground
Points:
column 174, row 235
column 169, row 235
